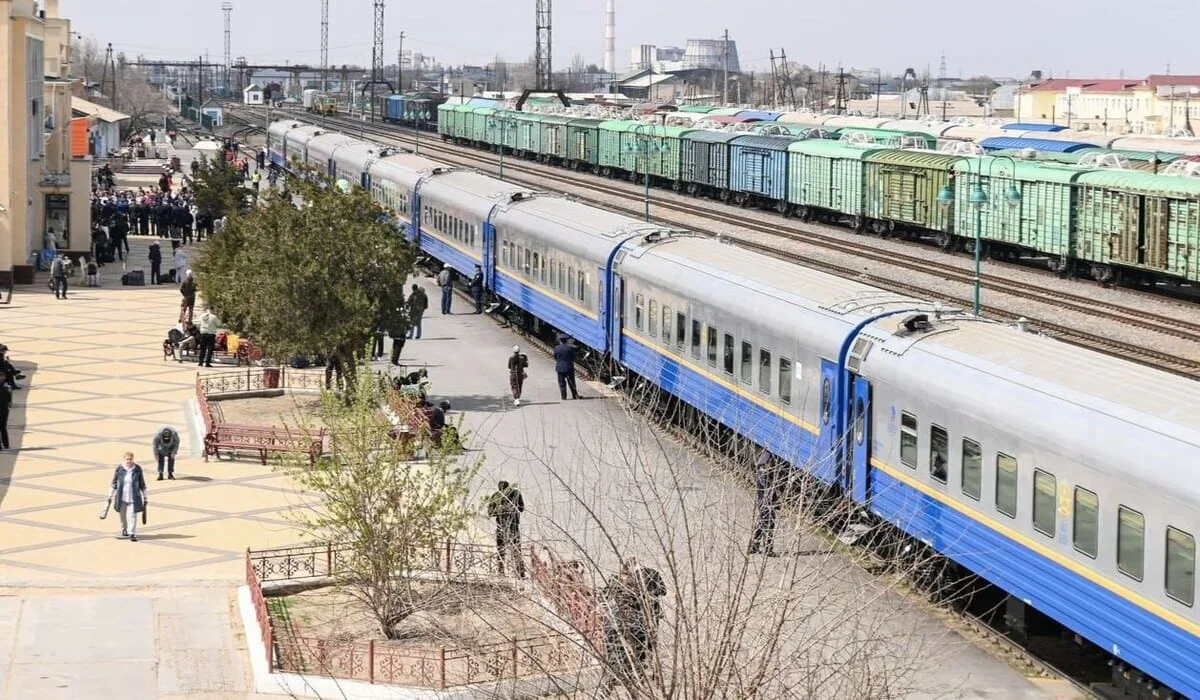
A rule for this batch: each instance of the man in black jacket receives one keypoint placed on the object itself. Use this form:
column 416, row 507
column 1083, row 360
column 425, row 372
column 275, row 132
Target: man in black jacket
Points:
column 506, row 506
column 564, row 366
column 477, row 289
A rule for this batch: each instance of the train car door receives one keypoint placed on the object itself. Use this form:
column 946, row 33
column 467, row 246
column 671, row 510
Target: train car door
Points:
column 489, row 253
column 616, row 319
column 858, row 443
column 825, row 461
column 365, row 181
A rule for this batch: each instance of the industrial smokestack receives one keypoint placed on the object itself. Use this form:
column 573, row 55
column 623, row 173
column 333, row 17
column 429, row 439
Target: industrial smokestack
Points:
column 610, row 37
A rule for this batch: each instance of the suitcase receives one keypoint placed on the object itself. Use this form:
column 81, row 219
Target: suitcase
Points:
column 134, row 278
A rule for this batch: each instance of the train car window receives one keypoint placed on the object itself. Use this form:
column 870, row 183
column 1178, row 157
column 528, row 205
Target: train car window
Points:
column 1181, row 566
column 542, row 272
column 638, row 311
column 528, row 256
column 939, row 453
column 695, row 339
column 652, row 319
column 764, row 370
column 666, row 326
column 553, row 274
column 1045, row 502
column 562, row 276
column 585, row 284
column 729, row 348
column 785, row 381
column 972, row 468
column 710, row 343
column 1006, row 484
column 536, row 265
column 680, row 330
column 747, row 363
column 571, row 281
column 827, row 403
column 1131, row 542
column 1085, row 530
column 908, row 439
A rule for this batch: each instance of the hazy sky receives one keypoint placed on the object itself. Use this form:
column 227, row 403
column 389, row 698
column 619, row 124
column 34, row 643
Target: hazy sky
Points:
column 1100, row 38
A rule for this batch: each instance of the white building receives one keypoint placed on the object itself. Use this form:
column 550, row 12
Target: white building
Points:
column 252, row 95
column 105, row 136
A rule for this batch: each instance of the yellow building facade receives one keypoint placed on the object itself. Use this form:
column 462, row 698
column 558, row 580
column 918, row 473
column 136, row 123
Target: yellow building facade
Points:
column 42, row 184
column 1154, row 105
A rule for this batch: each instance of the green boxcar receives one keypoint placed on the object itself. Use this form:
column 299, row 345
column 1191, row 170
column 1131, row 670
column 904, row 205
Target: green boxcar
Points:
column 902, row 188
column 583, row 143
column 447, row 117
column 660, row 148
column 1040, row 222
column 554, row 138
column 828, row 176
column 886, row 137
column 528, row 132
column 698, row 109
column 1139, row 222
column 612, row 154
column 479, row 128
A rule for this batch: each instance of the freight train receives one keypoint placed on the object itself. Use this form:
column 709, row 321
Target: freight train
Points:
column 1062, row 476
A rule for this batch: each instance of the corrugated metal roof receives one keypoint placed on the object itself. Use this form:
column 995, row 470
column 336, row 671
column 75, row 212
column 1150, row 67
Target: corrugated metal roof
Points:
column 997, row 143
column 759, row 115
column 1033, row 126
column 1142, row 182
column 774, row 143
column 585, row 122
column 831, row 149
column 711, row 136
column 91, row 109
column 702, row 109
column 725, row 111
column 1024, row 170
column 924, row 159
column 722, row 119
column 619, row 125
column 554, row 119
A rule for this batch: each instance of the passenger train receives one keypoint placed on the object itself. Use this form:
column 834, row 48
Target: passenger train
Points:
column 1066, row 478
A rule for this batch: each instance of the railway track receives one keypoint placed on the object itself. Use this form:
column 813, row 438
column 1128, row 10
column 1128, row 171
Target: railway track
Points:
column 1129, row 316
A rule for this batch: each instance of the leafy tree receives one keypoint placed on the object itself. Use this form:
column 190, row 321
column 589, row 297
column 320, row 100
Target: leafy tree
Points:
column 218, row 187
column 315, row 278
column 388, row 513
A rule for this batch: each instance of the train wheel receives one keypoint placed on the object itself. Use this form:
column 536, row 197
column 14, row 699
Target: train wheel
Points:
column 606, row 172
column 1104, row 274
column 857, row 223
column 879, row 227
column 782, row 207
column 1058, row 265
column 945, row 240
column 676, row 185
column 691, row 189
column 803, row 213
column 723, row 196
column 741, row 199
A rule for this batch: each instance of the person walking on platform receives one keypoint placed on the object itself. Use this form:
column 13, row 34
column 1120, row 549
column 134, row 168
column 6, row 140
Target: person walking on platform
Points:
column 396, row 326
column 155, row 263
column 166, row 446
column 445, row 280
column 769, row 482
column 477, row 289
column 417, row 303
column 505, row 507
column 564, row 366
column 209, row 325
column 58, row 276
column 188, row 305
column 128, row 495
column 518, row 362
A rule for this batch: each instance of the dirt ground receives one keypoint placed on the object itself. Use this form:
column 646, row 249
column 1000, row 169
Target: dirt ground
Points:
column 461, row 615
column 289, row 410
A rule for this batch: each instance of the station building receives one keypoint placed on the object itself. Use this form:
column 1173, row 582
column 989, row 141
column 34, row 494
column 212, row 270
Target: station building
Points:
column 1156, row 104
column 45, row 170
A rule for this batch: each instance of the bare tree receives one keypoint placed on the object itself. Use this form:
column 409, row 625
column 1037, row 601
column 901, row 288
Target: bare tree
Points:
column 384, row 510
column 137, row 98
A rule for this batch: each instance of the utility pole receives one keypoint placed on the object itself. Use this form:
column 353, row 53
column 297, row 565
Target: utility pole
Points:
column 377, row 77
column 785, row 75
column 108, row 78
column 840, row 95
column 227, row 10
column 942, row 84
column 725, row 67
column 324, row 45
column 543, row 71
column 400, row 66
column 774, row 80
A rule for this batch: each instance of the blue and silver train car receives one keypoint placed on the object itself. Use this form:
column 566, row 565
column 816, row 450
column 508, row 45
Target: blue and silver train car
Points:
column 320, row 149
column 552, row 257
column 394, row 180
column 350, row 161
column 455, row 207
column 288, row 141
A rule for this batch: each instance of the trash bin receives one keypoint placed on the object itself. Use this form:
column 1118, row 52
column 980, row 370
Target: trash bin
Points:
column 270, row 377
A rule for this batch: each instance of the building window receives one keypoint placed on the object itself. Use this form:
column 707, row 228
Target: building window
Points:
column 908, row 439
column 1181, row 566
column 652, row 319
column 1085, row 533
column 939, row 452
column 711, row 345
column 1131, row 542
column 764, row 370
column 1006, row 485
column 785, row 382
column 729, row 349
column 1045, row 502
column 747, row 363
column 695, row 339
column 972, row 469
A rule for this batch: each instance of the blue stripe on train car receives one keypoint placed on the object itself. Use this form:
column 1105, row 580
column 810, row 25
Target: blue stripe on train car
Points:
column 583, row 328
column 1108, row 620
column 783, row 437
column 462, row 263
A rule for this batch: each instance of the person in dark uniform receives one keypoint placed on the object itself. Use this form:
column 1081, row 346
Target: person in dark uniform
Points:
column 6, row 398
column 518, row 362
column 770, row 481
column 564, row 366
column 505, row 507
column 396, row 326
column 477, row 289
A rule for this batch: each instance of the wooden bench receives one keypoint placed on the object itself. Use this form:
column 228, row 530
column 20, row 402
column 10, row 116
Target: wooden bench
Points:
column 253, row 438
column 246, row 353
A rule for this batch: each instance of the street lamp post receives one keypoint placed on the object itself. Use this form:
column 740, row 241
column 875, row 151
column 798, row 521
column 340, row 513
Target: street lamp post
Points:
column 977, row 199
column 502, row 123
column 641, row 148
column 418, row 117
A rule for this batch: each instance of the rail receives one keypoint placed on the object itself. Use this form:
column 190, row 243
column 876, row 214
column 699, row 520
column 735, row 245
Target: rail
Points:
column 257, row 379
column 375, row 661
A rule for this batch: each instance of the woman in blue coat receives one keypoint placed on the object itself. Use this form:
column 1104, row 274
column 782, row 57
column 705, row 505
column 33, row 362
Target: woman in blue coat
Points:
column 128, row 495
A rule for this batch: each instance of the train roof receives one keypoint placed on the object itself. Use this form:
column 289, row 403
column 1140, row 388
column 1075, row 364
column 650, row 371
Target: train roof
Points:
column 468, row 190
column 404, row 167
column 575, row 227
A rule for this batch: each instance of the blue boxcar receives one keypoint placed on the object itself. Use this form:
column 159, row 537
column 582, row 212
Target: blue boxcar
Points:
column 759, row 168
column 395, row 108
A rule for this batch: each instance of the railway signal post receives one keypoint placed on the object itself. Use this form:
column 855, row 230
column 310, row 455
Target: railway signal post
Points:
column 641, row 147
column 503, row 124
